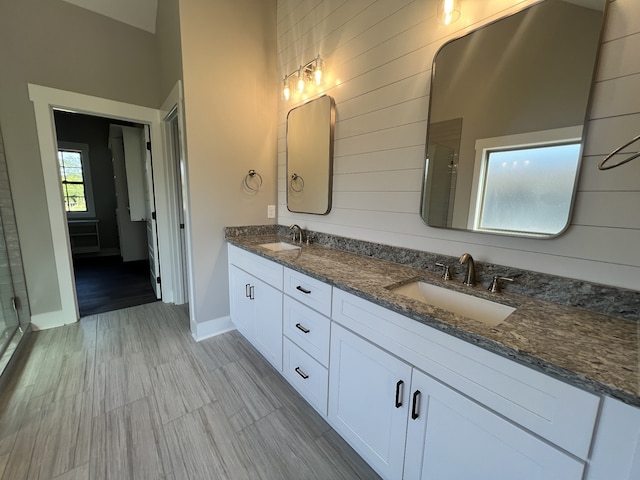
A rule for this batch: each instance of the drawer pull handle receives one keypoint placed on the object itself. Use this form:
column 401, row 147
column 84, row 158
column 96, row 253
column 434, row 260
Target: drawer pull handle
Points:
column 301, row 328
column 246, row 290
column 301, row 373
column 303, row 290
column 416, row 405
column 399, row 393
column 252, row 293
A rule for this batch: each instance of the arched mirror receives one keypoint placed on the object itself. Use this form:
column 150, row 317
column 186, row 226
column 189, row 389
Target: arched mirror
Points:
column 508, row 105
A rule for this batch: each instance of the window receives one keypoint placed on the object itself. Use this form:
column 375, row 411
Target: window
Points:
column 528, row 189
column 73, row 159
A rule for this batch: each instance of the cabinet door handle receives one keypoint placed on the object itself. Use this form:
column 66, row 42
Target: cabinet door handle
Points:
column 416, row 405
column 246, row 290
column 301, row 373
column 302, row 289
column 303, row 329
column 399, row 393
column 252, row 293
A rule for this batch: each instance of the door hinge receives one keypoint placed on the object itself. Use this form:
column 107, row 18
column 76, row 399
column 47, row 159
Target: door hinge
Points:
column 158, row 280
column 153, row 215
column 149, row 146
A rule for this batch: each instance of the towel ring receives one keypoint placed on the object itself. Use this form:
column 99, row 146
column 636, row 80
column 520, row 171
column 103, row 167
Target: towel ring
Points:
column 602, row 166
column 253, row 175
column 297, row 179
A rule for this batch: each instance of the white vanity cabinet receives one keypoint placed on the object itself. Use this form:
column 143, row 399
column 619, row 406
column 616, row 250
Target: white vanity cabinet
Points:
column 368, row 400
column 508, row 417
column 408, row 425
column 616, row 447
column 418, row 403
column 307, row 304
column 449, row 436
column 255, row 296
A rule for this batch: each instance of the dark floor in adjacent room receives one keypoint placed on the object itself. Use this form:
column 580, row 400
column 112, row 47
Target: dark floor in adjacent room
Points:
column 104, row 284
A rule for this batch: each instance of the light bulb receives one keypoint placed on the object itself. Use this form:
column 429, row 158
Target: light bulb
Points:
column 300, row 81
column 317, row 73
column 448, row 11
column 286, row 92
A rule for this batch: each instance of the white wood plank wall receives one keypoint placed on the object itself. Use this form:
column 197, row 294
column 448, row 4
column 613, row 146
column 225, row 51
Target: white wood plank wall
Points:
column 378, row 57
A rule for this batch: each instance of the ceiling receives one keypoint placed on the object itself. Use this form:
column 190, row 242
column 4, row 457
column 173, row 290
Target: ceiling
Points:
column 138, row 13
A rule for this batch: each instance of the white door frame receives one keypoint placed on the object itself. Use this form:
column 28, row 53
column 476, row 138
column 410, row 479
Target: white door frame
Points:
column 45, row 100
column 175, row 102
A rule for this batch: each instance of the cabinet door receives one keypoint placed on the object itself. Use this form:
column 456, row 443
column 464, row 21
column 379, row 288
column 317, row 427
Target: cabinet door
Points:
column 454, row 437
column 368, row 396
column 241, row 306
column 616, row 448
column 268, row 321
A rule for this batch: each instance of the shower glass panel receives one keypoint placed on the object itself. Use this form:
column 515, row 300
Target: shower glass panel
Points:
column 8, row 314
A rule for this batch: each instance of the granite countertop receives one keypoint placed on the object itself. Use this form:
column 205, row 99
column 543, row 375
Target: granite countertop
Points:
column 596, row 352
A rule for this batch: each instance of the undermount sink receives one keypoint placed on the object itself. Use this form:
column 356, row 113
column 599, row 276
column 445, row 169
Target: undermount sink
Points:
column 479, row 309
column 279, row 246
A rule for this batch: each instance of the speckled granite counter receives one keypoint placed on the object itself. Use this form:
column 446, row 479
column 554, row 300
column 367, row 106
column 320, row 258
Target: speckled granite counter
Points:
column 596, row 352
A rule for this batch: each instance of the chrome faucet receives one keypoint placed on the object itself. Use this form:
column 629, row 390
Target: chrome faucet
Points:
column 470, row 277
column 295, row 228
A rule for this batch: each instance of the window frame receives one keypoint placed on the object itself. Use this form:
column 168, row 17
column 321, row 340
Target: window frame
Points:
column 83, row 149
column 485, row 146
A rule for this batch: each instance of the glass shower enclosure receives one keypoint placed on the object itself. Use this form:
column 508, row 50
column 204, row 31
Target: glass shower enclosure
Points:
column 14, row 308
column 9, row 323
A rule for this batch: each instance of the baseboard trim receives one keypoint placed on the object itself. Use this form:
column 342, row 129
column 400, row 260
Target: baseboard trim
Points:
column 211, row 328
column 44, row 321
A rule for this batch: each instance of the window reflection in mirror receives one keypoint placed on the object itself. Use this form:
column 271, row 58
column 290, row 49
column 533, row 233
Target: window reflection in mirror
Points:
column 527, row 189
column 310, row 156
column 521, row 76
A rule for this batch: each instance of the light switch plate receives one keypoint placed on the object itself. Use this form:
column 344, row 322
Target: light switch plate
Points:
column 271, row 211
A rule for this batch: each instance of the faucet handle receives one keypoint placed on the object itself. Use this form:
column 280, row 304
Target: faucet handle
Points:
column 494, row 286
column 446, row 272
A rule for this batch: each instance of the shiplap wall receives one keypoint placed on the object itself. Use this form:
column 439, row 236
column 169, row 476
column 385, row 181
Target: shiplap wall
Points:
column 378, row 57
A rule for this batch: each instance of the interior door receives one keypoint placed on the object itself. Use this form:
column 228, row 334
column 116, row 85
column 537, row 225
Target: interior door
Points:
column 178, row 162
column 152, row 230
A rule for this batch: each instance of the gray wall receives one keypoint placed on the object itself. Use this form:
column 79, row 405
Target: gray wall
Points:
column 59, row 45
column 168, row 38
column 230, row 85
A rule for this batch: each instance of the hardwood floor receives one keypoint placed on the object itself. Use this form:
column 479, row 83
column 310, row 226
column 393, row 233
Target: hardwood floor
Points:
column 129, row 395
column 104, row 284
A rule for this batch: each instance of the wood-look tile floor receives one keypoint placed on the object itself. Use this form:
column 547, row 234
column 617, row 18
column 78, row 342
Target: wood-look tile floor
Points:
column 129, row 395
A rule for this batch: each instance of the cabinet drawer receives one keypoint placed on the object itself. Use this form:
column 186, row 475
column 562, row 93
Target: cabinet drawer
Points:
column 266, row 270
column 557, row 411
column 307, row 376
column 308, row 329
column 311, row 292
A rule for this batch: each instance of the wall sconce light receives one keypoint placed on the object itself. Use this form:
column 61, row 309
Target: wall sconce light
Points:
column 448, row 11
column 306, row 75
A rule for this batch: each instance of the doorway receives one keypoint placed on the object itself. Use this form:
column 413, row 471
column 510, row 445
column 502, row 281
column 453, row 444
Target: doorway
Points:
column 46, row 99
column 108, row 206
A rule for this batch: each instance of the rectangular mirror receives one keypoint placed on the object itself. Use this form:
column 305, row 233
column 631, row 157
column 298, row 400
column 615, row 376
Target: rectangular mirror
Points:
column 310, row 156
column 508, row 104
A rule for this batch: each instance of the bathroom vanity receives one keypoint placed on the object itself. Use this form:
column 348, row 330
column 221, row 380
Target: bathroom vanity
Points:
column 420, row 392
